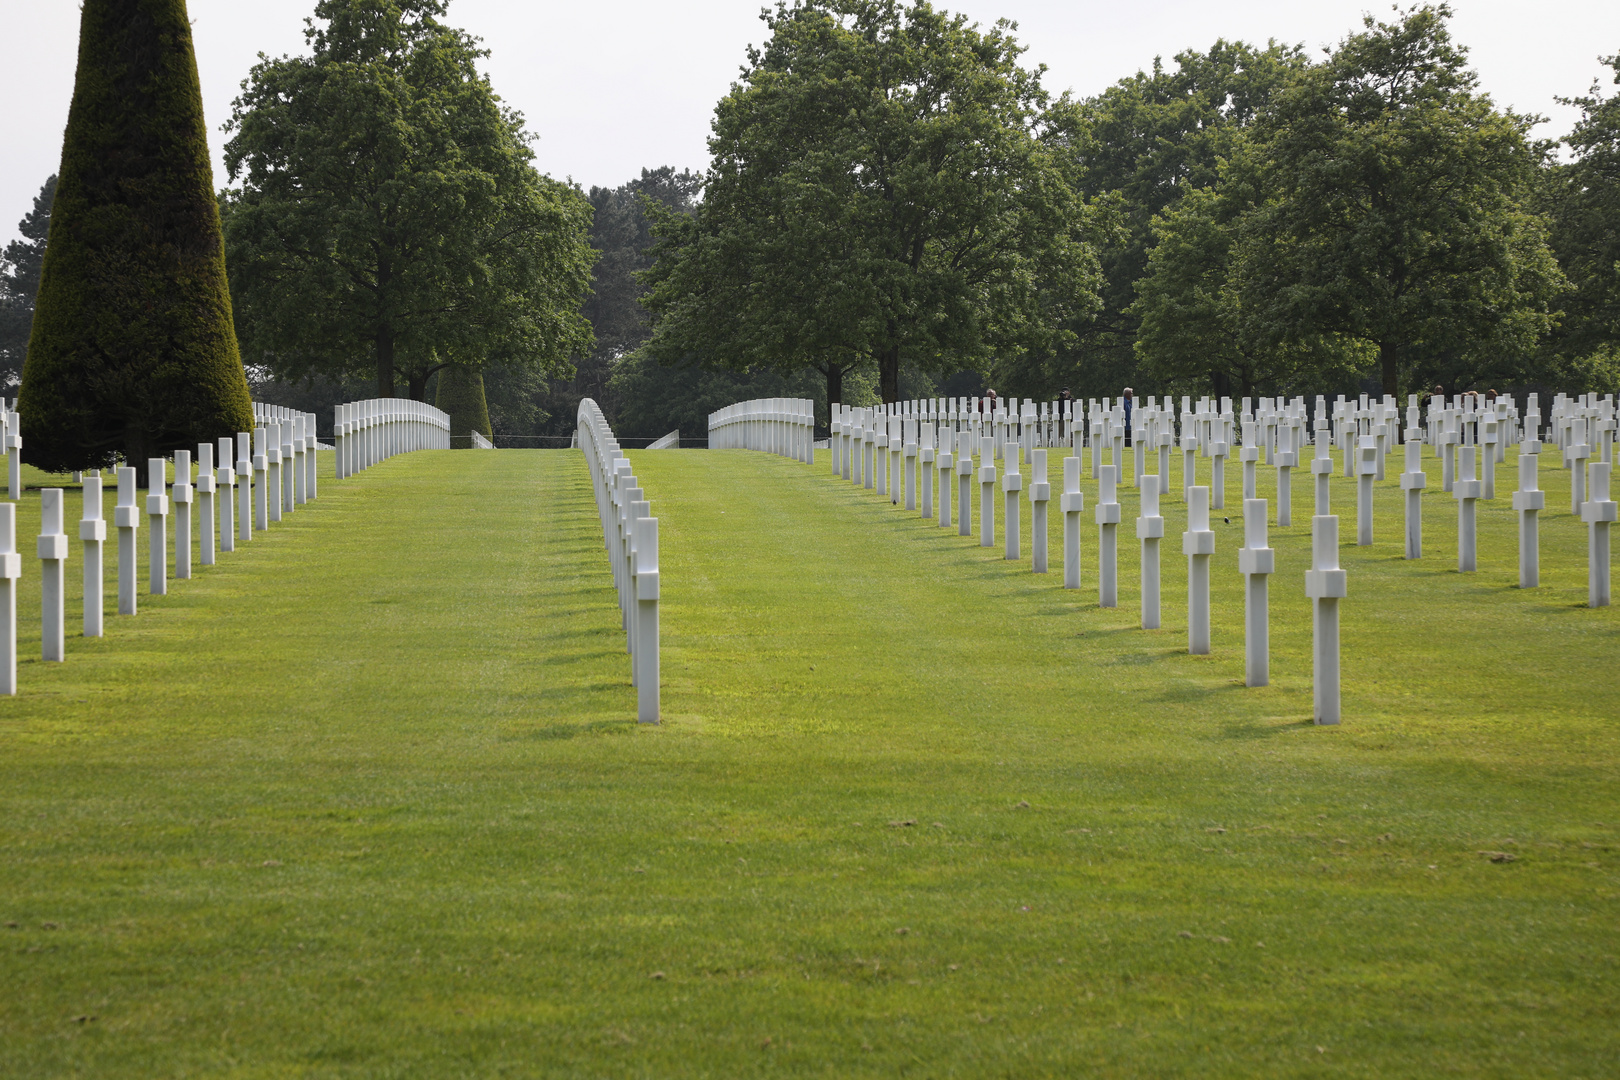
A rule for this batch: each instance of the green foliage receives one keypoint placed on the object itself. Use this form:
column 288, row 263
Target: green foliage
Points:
column 1583, row 200
column 461, row 394
column 1138, row 147
column 621, row 233
column 389, row 218
column 19, row 284
column 886, row 190
column 1195, row 335
column 132, row 349
column 1389, row 202
column 653, row 399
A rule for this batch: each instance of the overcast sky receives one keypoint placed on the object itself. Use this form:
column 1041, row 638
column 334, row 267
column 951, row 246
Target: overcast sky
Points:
column 612, row 87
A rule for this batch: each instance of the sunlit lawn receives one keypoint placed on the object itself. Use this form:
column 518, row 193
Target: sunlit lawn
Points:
column 365, row 799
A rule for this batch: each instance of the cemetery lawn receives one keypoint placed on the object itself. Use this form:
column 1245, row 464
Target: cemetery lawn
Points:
column 366, row 800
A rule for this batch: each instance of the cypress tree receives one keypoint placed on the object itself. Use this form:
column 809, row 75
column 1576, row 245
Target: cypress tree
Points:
column 132, row 349
column 461, row 394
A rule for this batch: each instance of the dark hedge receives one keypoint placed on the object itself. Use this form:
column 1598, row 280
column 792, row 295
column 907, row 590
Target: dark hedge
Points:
column 461, row 394
column 132, row 350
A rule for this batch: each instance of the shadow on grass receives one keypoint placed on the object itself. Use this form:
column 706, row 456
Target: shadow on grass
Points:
column 569, row 731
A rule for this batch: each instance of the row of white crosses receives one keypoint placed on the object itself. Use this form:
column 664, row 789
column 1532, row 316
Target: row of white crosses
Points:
column 885, row 451
column 784, row 426
column 11, row 446
column 274, row 472
column 630, row 534
column 367, row 432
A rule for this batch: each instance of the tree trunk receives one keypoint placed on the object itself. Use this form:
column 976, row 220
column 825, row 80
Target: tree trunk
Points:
column 1389, row 365
column 835, row 388
column 417, row 381
column 1221, row 383
column 385, row 362
column 889, row 374
column 137, row 449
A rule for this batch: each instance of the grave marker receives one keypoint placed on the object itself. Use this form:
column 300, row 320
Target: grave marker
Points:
column 987, row 491
column 1189, row 461
column 1325, row 585
column 1250, row 456
column 53, row 552
column 1413, row 481
column 1465, row 489
column 93, row 532
column 182, row 495
column 1488, row 437
column 645, row 536
column 925, row 469
column 14, row 455
column 1256, row 562
column 272, row 457
column 1040, row 493
column 1150, row 530
column 1198, row 544
column 1286, row 458
column 1107, row 537
column 964, row 482
column 1598, row 512
column 1366, row 473
column 1011, row 484
column 126, row 519
column 261, row 473
column 205, row 500
column 910, row 436
column 943, row 462
column 10, row 571
column 157, row 517
column 1322, row 470
column 1072, row 504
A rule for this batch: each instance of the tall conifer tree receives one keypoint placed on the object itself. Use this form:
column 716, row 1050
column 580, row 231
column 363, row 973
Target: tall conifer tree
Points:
column 132, row 349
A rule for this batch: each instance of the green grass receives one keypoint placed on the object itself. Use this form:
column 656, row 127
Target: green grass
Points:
column 365, row 800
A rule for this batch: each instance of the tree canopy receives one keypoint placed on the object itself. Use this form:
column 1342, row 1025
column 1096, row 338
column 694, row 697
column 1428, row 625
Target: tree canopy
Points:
column 20, row 264
column 1583, row 202
column 132, row 349
column 389, row 218
column 886, row 190
column 1139, row 146
column 1388, row 201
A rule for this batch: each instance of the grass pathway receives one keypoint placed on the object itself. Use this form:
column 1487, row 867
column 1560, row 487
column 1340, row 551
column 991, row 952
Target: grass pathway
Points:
column 364, row 800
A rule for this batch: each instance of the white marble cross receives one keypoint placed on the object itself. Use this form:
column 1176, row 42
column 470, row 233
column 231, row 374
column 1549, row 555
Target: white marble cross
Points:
column 1325, row 584
column 10, row 571
column 93, row 533
column 1072, row 504
column 987, row 491
column 1256, row 562
column 1413, row 481
column 1465, row 489
column 183, row 495
column 205, row 501
column 126, row 519
column 1198, row 544
column 1149, row 531
column 157, row 516
column 1040, row 493
column 1107, row 537
column 53, row 553
column 1599, row 513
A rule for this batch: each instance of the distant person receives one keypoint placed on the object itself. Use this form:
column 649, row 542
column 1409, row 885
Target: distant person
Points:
column 1063, row 410
column 1129, row 403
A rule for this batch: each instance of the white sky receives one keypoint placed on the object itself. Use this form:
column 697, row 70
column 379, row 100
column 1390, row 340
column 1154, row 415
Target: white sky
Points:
column 612, row 87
